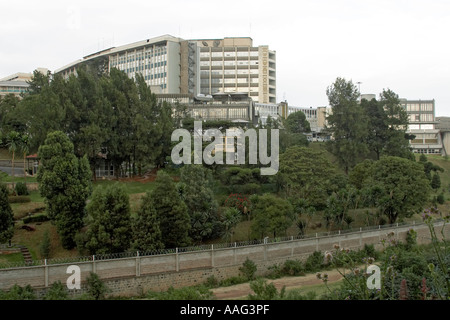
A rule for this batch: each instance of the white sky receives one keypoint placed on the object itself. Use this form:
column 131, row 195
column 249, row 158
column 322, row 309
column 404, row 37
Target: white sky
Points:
column 403, row 45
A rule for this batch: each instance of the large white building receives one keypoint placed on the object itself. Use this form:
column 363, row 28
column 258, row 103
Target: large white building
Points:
column 422, row 124
column 172, row 65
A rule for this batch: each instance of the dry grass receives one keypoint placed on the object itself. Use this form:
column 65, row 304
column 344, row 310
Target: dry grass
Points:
column 33, row 239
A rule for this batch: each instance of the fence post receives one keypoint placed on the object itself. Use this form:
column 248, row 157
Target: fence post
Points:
column 212, row 255
column 177, row 262
column 46, row 273
column 94, row 268
column 138, row 265
column 317, row 242
column 235, row 256
column 292, row 246
column 265, row 248
column 360, row 237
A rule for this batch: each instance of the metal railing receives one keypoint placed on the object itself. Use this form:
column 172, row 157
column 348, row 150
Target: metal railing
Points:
column 197, row 248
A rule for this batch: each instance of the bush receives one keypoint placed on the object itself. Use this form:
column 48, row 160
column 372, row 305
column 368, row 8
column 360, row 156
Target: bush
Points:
column 186, row 293
column 45, row 246
column 293, row 268
column 440, row 198
column 36, row 218
column 56, row 292
column 264, row 291
column 21, row 189
column 18, row 293
column 248, row 269
column 232, row 281
column 19, row 199
column 314, row 262
column 96, row 287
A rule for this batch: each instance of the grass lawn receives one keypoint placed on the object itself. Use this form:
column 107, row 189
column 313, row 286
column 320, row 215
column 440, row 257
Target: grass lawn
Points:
column 16, row 257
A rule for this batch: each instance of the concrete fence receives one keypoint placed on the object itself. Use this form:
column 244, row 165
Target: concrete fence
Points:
column 135, row 274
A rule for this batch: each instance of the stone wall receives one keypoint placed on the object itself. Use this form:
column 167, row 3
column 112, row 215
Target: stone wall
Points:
column 134, row 275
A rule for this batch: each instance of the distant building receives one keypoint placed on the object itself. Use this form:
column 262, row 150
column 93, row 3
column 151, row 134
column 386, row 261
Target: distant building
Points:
column 443, row 125
column 17, row 83
column 422, row 124
column 172, row 65
column 235, row 65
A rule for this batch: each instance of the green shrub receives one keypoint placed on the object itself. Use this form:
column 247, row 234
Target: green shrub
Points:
column 248, row 269
column 21, row 189
column 440, row 198
column 96, row 288
column 211, row 282
column 315, row 262
column 19, row 199
column 293, row 268
column 264, row 291
column 232, row 281
column 18, row 293
column 45, row 246
column 36, row 218
column 56, row 292
column 186, row 293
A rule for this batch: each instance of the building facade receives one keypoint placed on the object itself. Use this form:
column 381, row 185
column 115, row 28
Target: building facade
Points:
column 235, row 65
column 172, row 65
column 422, row 124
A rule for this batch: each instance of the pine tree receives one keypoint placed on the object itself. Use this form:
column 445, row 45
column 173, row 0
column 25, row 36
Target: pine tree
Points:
column 65, row 183
column 146, row 231
column 172, row 212
column 6, row 216
column 108, row 220
column 195, row 188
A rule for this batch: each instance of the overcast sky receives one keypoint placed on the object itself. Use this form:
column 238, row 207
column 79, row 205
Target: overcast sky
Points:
column 395, row 44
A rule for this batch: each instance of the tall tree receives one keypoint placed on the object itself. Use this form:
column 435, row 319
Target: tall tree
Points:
column 172, row 212
column 6, row 216
column 347, row 123
column 306, row 173
column 108, row 221
column 65, row 183
column 295, row 127
column 397, row 143
column 13, row 142
column 398, row 187
column 196, row 184
column 377, row 126
column 272, row 215
column 147, row 234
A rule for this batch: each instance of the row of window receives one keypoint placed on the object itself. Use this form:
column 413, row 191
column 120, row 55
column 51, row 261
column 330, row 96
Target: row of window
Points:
column 229, row 71
column 428, row 151
column 220, row 113
column 142, row 55
column 246, row 81
column 146, row 66
column 156, row 76
column 229, row 54
column 421, row 117
column 12, row 89
column 419, row 107
column 229, row 63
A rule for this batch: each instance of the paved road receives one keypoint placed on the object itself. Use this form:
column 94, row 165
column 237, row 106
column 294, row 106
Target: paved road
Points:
column 18, row 172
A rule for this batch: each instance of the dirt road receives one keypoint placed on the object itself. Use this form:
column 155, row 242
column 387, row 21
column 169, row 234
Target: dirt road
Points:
column 241, row 291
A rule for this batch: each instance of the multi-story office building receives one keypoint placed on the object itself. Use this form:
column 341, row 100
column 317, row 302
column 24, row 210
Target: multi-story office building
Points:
column 172, row 65
column 167, row 63
column 17, row 83
column 235, row 65
column 422, row 124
